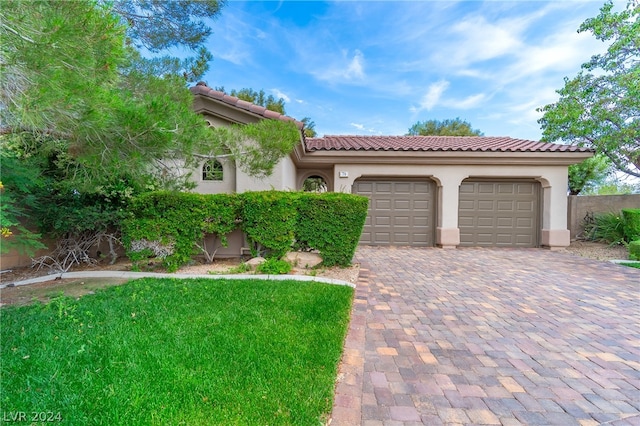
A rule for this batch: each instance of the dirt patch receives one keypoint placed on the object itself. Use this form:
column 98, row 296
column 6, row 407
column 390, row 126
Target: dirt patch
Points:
column 45, row 291
column 78, row 287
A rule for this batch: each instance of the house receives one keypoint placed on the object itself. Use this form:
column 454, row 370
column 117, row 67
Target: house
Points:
column 423, row 190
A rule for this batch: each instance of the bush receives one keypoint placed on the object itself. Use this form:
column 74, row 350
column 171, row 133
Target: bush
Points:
column 169, row 225
column 631, row 224
column 634, row 250
column 273, row 266
column 606, row 227
column 331, row 223
column 268, row 220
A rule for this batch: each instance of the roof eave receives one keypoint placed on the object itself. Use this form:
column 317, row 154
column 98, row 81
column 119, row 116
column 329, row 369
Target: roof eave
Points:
column 556, row 158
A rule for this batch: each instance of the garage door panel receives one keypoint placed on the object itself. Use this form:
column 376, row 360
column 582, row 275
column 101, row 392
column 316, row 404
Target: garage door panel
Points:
column 525, row 189
column 420, row 222
column 402, row 188
column 402, row 204
column 499, row 213
column 524, row 222
column 486, row 205
column 400, row 212
column 422, row 188
column 424, row 205
column 401, row 221
column 382, row 221
column 485, row 189
column 526, row 206
column 365, row 188
column 505, row 188
column 486, row 222
column 381, row 236
column 505, row 222
column 420, row 238
column 505, row 205
column 466, row 205
column 465, row 221
column 383, row 188
column 467, row 188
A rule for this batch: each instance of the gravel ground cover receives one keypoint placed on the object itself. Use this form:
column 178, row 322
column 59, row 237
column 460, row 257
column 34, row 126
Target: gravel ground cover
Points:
column 76, row 288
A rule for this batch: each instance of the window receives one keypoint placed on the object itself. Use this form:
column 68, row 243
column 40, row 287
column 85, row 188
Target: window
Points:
column 314, row 184
column 212, row 170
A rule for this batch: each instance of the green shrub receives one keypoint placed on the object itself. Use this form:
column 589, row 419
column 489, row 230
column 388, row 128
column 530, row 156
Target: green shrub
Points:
column 169, row 225
column 606, row 227
column 631, row 224
column 268, row 220
column 331, row 223
column 634, row 250
column 273, row 266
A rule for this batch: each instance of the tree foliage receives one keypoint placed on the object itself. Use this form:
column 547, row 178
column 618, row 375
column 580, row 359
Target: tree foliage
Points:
column 85, row 112
column 448, row 127
column 271, row 103
column 589, row 174
column 600, row 107
column 158, row 25
column 309, row 127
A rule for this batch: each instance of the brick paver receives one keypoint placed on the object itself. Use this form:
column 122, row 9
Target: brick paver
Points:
column 490, row 337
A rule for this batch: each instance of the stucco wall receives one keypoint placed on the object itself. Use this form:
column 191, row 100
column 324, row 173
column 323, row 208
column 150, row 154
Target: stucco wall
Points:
column 283, row 178
column 553, row 180
column 226, row 185
column 580, row 205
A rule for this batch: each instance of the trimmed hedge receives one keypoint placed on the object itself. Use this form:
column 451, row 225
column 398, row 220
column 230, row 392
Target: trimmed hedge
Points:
column 331, row 223
column 634, row 250
column 631, row 224
column 268, row 220
column 169, row 225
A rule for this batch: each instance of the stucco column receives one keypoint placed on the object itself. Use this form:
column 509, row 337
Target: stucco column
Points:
column 555, row 234
column 447, row 231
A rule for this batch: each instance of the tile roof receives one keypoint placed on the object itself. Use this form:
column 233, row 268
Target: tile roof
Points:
column 435, row 143
column 202, row 89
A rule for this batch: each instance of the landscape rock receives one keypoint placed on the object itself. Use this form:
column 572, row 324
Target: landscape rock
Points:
column 255, row 262
column 303, row 259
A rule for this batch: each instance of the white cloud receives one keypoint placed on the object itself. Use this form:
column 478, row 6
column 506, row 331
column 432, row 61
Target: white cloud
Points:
column 466, row 103
column 356, row 66
column 342, row 70
column 357, row 126
column 278, row 94
column 432, row 97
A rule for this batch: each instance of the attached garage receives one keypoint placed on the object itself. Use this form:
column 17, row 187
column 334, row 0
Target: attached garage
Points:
column 499, row 213
column 401, row 211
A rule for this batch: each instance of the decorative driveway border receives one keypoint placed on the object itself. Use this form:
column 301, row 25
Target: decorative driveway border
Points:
column 490, row 337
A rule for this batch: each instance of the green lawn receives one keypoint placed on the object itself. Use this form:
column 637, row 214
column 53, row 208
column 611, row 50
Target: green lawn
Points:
column 165, row 351
column 631, row 264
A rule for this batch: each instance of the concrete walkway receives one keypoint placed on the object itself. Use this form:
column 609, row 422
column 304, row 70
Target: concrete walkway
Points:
column 490, row 337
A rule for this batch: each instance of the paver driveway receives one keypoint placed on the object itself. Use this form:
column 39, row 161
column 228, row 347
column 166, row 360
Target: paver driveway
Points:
column 490, row 336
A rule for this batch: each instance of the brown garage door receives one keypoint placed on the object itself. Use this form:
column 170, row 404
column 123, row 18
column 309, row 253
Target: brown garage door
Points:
column 496, row 214
column 400, row 212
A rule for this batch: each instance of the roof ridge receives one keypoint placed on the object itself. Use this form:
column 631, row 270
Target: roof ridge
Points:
column 434, row 143
column 201, row 88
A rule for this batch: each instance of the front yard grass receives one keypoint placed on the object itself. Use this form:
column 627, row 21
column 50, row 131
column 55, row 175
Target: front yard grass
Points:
column 167, row 351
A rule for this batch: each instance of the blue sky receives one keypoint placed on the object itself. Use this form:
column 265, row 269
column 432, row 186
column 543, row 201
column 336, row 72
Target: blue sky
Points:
column 378, row 67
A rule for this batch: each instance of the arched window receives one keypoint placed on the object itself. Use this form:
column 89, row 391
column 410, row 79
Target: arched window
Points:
column 314, row 184
column 212, row 170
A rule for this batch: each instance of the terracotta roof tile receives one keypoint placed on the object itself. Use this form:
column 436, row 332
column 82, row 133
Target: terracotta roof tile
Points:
column 204, row 90
column 435, row 143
